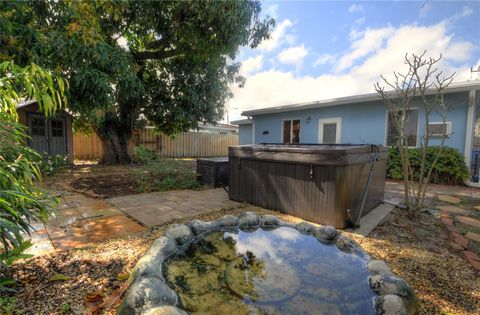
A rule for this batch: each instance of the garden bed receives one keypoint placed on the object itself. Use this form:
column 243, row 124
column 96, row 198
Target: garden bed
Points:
column 108, row 181
column 416, row 251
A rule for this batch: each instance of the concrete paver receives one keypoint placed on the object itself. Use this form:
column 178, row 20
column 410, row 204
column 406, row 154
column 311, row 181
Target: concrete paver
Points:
column 160, row 207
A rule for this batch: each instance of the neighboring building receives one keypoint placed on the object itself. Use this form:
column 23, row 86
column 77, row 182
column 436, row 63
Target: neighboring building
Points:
column 245, row 131
column 47, row 135
column 363, row 119
column 218, row 129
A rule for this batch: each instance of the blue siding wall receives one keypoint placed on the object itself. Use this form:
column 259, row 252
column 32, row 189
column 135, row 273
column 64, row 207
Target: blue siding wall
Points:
column 360, row 123
column 245, row 134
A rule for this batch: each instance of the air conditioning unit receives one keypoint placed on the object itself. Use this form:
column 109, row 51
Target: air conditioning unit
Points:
column 438, row 129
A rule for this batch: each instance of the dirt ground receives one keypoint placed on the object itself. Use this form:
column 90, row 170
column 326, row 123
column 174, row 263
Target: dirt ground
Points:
column 416, row 251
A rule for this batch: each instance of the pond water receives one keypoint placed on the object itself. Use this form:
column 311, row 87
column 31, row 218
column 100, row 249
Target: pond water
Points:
column 278, row 271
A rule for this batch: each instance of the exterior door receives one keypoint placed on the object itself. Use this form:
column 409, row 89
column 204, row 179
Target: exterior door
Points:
column 48, row 136
column 57, row 136
column 329, row 130
column 38, row 133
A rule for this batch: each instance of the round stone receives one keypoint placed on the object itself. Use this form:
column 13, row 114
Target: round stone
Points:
column 326, row 233
column 248, row 219
column 376, row 267
column 181, row 233
column 165, row 310
column 390, row 304
column 305, row 227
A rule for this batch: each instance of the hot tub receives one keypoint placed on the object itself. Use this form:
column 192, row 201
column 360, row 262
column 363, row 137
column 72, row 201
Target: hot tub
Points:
column 319, row 183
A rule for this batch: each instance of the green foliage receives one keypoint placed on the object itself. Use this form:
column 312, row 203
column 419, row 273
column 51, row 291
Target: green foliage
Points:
column 21, row 203
column 50, row 164
column 7, row 305
column 143, row 155
column 166, row 174
column 449, row 169
column 174, row 66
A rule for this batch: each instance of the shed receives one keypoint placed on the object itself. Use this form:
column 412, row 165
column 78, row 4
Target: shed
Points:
column 51, row 135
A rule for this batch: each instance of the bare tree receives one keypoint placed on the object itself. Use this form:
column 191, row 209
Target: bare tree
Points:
column 424, row 85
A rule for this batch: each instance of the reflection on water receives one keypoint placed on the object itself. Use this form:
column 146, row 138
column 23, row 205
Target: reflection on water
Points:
column 269, row 272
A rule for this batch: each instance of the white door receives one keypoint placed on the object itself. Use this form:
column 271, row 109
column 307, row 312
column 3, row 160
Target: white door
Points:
column 329, row 130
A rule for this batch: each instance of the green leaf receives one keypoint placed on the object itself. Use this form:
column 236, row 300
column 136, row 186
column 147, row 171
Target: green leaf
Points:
column 59, row 277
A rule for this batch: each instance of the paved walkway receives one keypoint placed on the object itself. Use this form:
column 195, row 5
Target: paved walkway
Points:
column 79, row 221
column 160, row 207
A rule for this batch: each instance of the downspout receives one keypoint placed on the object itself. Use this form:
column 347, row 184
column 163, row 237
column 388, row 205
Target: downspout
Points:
column 469, row 134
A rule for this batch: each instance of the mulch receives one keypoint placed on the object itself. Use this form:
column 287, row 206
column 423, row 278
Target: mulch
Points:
column 417, row 251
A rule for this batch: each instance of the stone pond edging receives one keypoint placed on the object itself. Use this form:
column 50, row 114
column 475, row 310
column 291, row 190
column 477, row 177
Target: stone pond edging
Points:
column 149, row 293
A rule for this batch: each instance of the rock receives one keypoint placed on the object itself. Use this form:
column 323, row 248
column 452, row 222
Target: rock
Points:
column 390, row 304
column 305, row 228
column 181, row 233
column 269, row 220
column 228, row 221
column 165, row 310
column 326, row 233
column 346, row 244
column 199, row 227
column 150, row 263
column 144, row 294
column 384, row 284
column 376, row 267
column 248, row 219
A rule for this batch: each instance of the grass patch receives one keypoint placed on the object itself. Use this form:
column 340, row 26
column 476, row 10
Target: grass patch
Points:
column 165, row 174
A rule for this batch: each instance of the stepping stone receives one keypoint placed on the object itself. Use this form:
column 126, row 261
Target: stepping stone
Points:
column 473, row 236
column 473, row 259
column 455, row 246
column 450, row 199
column 468, row 221
column 453, row 209
column 460, row 240
column 477, row 208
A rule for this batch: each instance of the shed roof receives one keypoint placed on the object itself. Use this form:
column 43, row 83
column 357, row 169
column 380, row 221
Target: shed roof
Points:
column 463, row 86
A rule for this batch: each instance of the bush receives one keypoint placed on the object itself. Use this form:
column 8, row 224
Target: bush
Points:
column 50, row 164
column 165, row 174
column 449, row 169
column 143, row 155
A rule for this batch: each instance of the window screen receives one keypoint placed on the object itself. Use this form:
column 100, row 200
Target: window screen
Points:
column 330, row 133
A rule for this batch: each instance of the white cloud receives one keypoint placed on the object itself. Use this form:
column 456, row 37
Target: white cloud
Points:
column 368, row 42
column 324, row 59
column 293, row 55
column 277, row 37
column 272, row 10
column 251, row 65
column 355, row 8
column 360, row 21
column 376, row 51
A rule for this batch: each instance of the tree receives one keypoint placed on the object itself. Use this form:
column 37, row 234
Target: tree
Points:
column 21, row 203
column 166, row 61
column 422, row 85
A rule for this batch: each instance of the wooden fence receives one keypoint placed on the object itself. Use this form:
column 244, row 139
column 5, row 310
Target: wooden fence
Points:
column 188, row 144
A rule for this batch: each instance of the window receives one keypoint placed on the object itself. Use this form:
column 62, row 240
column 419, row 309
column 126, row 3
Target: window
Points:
column 291, row 131
column 57, row 128
column 439, row 129
column 410, row 130
column 329, row 130
column 37, row 126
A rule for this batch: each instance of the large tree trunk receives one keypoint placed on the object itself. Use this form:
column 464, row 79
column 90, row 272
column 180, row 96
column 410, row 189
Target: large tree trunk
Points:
column 115, row 141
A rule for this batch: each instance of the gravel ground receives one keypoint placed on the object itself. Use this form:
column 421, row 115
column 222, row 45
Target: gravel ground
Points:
column 417, row 252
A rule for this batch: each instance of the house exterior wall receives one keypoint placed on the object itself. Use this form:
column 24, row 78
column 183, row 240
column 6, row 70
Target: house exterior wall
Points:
column 360, row 123
column 245, row 134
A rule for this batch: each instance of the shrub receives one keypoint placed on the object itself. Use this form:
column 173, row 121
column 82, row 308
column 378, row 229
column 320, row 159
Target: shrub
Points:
column 449, row 169
column 143, row 155
column 50, row 164
column 165, row 174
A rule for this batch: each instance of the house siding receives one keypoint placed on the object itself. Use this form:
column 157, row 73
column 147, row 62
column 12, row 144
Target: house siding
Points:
column 245, row 134
column 360, row 123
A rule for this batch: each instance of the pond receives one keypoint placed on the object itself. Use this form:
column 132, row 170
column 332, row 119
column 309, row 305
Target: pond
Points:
column 273, row 271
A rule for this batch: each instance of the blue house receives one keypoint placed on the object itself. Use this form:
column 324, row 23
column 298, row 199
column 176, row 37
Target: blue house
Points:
column 364, row 119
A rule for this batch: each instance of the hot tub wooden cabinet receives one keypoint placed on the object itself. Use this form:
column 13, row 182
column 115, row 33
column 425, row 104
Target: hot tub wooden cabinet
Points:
column 319, row 183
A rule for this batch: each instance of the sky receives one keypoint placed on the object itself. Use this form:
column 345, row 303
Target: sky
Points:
column 326, row 49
